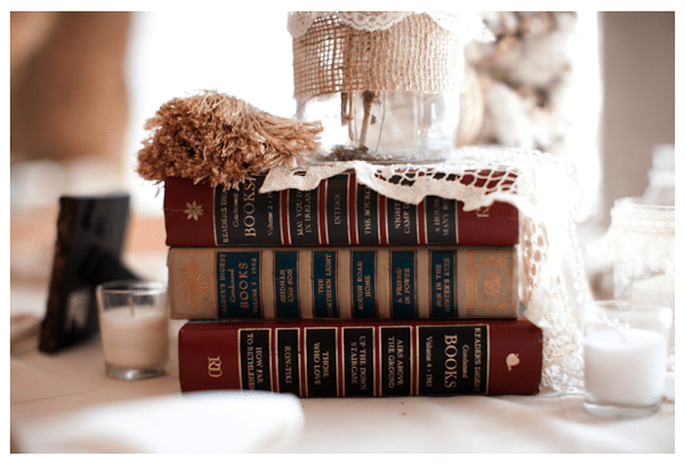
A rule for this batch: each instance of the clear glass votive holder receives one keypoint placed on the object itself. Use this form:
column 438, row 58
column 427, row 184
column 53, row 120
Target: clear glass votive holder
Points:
column 134, row 328
column 625, row 349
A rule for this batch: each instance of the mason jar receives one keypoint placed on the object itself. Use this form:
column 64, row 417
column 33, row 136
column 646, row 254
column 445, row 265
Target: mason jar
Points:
column 642, row 236
column 385, row 85
column 385, row 125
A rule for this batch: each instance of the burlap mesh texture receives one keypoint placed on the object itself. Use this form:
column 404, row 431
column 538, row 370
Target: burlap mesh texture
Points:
column 413, row 55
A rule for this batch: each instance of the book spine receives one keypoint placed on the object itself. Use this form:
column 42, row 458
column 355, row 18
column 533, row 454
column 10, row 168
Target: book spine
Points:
column 331, row 358
column 463, row 282
column 337, row 212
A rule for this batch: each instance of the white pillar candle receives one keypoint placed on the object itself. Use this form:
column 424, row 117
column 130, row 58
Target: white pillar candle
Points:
column 135, row 338
column 625, row 367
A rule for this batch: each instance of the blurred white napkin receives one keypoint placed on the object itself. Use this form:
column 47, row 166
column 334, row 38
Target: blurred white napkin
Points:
column 202, row 422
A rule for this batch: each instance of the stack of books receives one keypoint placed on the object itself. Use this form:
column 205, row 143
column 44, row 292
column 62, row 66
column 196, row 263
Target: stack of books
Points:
column 341, row 291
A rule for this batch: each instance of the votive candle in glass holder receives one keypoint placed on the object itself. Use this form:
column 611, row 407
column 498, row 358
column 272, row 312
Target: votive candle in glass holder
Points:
column 625, row 350
column 134, row 327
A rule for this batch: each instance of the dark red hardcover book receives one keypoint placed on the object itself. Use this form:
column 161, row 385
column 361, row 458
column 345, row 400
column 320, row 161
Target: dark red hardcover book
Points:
column 339, row 211
column 333, row 358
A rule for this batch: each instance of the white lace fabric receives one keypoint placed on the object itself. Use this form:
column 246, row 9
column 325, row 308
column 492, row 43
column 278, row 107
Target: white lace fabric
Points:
column 548, row 198
column 343, row 51
column 468, row 26
column 300, row 21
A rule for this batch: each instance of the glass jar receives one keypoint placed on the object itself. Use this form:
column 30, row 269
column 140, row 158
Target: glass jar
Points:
column 386, row 86
column 642, row 236
column 386, row 125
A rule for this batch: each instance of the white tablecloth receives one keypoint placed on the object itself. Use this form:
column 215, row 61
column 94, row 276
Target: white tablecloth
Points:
column 64, row 402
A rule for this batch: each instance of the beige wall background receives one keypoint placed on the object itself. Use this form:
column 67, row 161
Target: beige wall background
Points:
column 639, row 97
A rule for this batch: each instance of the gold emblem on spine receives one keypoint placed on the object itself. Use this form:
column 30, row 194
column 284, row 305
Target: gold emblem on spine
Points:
column 194, row 211
column 492, row 299
column 512, row 360
column 492, row 284
column 193, row 285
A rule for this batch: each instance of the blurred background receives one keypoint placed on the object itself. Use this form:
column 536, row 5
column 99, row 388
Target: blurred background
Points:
column 83, row 84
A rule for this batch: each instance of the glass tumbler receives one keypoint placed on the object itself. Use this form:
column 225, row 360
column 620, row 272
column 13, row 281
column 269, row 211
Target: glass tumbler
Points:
column 134, row 327
column 625, row 357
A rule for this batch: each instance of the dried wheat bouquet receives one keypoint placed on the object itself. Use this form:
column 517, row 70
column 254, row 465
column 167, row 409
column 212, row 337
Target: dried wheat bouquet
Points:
column 222, row 139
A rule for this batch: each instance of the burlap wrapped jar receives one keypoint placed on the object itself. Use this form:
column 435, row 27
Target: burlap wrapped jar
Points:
column 386, row 85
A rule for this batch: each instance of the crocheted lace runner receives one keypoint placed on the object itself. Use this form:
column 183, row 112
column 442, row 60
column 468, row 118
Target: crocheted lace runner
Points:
column 548, row 198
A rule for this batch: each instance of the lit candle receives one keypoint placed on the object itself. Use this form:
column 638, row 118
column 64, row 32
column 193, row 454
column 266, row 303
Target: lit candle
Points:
column 625, row 366
column 135, row 337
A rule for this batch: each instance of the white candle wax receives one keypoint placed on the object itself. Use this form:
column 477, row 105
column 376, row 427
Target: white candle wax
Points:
column 625, row 367
column 138, row 339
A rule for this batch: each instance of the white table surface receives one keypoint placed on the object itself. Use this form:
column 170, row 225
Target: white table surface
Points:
column 64, row 402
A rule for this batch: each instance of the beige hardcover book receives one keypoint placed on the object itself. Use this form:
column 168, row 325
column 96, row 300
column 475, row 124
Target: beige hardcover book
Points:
column 464, row 282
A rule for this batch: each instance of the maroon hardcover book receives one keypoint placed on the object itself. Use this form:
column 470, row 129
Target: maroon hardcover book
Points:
column 339, row 211
column 333, row 358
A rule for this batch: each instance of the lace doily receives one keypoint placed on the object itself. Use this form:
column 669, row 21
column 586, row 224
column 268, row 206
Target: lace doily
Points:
column 469, row 26
column 548, row 198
